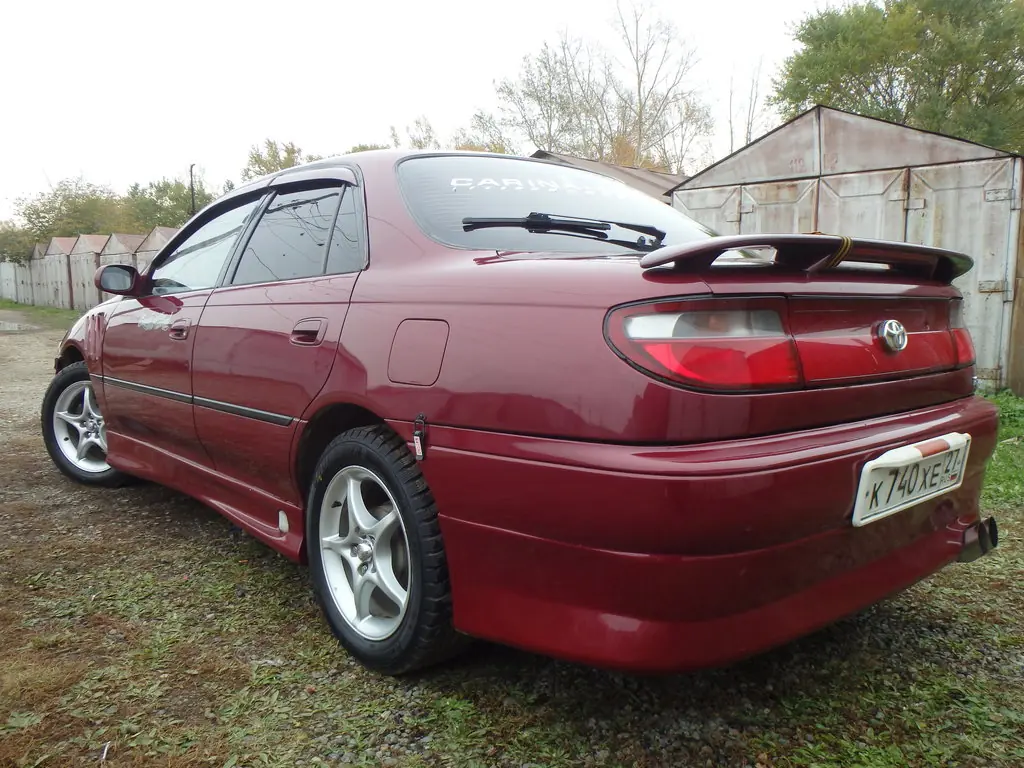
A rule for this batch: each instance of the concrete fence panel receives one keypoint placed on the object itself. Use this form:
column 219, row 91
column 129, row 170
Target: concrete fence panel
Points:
column 83, row 268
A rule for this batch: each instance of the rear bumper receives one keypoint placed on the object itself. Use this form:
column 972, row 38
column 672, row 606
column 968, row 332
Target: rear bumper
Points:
column 524, row 601
column 682, row 557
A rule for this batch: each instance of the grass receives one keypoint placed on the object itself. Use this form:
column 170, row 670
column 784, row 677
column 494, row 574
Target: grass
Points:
column 1004, row 481
column 49, row 317
column 139, row 628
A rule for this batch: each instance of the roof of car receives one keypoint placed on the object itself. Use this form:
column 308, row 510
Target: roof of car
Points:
column 358, row 158
column 374, row 156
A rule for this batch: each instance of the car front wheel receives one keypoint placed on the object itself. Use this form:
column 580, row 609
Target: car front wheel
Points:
column 74, row 431
column 376, row 558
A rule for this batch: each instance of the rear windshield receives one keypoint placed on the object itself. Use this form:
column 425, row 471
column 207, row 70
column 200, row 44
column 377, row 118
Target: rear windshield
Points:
column 441, row 191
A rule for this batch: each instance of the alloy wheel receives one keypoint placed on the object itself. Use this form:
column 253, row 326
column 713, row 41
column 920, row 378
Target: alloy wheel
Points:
column 79, row 429
column 365, row 553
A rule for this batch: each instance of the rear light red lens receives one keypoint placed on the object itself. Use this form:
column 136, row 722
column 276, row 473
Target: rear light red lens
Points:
column 964, row 347
column 737, row 364
column 965, row 354
column 722, row 345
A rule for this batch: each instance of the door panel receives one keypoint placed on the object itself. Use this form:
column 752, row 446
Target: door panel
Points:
column 965, row 207
column 267, row 342
column 865, row 204
column 255, row 371
column 717, row 208
column 147, row 374
column 149, row 342
column 778, row 206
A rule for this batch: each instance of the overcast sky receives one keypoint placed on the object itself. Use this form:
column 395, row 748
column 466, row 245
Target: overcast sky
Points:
column 132, row 91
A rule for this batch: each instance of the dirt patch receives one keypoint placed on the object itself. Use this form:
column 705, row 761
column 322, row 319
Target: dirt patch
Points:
column 9, row 327
column 14, row 321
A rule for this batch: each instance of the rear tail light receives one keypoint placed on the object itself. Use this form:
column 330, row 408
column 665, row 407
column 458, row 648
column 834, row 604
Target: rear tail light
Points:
column 719, row 345
column 961, row 336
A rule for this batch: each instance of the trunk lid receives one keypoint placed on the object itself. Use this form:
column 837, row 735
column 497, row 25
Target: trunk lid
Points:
column 847, row 340
column 876, row 331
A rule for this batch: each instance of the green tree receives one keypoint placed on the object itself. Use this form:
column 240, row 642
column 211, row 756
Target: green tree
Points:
column 164, row 203
column 15, row 242
column 72, row 207
column 272, row 157
column 953, row 66
column 367, row 147
column 420, row 136
column 484, row 135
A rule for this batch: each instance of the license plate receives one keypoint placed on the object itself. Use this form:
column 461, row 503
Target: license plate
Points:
column 908, row 475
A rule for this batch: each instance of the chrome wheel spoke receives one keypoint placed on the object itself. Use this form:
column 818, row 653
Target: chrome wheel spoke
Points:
column 362, row 591
column 359, row 517
column 384, row 527
column 83, row 448
column 72, row 419
column 89, row 409
column 101, row 437
column 386, row 581
column 337, row 544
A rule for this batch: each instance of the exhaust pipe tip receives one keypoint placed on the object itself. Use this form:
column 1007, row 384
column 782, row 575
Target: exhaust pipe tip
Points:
column 978, row 540
column 983, row 538
column 993, row 532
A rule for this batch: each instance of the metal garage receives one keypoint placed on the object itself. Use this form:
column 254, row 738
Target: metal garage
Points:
column 837, row 172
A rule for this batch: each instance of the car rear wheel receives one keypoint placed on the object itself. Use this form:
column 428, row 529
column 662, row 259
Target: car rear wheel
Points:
column 377, row 562
column 74, row 431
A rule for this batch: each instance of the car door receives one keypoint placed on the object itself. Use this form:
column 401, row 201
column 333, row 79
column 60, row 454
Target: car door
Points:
column 268, row 338
column 148, row 342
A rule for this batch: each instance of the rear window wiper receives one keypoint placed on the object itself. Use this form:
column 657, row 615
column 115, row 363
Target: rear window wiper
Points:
column 573, row 225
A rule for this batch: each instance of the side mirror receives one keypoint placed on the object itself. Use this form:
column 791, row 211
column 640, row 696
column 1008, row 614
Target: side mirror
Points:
column 119, row 279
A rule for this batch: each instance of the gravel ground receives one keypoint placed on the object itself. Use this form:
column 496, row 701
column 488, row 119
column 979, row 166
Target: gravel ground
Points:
column 142, row 629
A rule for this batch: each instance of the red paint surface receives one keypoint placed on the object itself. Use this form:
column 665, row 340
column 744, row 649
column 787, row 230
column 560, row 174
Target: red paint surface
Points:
column 138, row 347
column 589, row 510
column 245, row 355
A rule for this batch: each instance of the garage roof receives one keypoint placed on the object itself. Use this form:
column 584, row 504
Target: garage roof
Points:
column 824, row 141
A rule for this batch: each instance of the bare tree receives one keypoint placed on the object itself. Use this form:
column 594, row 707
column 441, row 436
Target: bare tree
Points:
column 687, row 148
column 555, row 101
column 754, row 106
column 633, row 109
column 752, row 110
column 654, row 93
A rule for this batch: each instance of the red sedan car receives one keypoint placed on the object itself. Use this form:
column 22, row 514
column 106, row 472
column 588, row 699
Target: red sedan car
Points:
column 496, row 397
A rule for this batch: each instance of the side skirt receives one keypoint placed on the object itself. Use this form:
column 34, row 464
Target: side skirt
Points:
column 218, row 491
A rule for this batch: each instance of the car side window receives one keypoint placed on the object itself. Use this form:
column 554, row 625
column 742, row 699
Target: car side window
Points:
column 197, row 263
column 346, row 254
column 290, row 240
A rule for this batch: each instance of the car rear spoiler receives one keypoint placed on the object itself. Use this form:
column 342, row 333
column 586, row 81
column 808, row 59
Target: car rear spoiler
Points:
column 816, row 252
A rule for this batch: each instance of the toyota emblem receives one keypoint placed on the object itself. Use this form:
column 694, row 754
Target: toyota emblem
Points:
column 893, row 335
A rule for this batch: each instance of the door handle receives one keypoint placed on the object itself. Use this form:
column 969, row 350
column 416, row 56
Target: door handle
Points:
column 179, row 329
column 309, row 332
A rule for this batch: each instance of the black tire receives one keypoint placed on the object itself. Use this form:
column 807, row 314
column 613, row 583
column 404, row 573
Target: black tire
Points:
column 425, row 635
column 66, row 377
